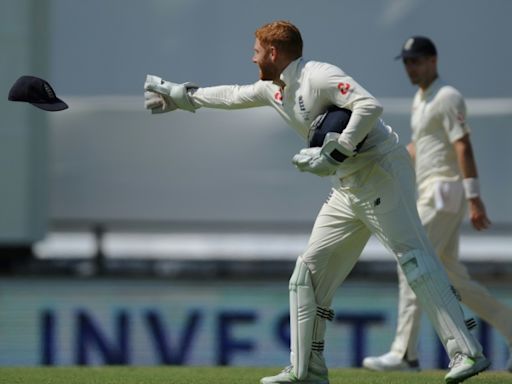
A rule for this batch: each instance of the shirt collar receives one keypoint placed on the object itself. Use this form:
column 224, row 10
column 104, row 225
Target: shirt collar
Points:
column 291, row 71
column 432, row 88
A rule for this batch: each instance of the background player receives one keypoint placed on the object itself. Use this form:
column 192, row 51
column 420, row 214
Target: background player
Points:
column 447, row 178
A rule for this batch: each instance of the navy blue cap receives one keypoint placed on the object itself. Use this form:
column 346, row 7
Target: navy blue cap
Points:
column 37, row 92
column 417, row 46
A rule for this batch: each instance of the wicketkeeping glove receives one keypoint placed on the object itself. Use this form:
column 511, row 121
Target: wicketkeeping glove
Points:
column 312, row 160
column 324, row 160
column 164, row 96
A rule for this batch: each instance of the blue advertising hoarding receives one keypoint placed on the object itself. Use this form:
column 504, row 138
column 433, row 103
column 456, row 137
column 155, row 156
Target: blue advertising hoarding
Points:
column 152, row 322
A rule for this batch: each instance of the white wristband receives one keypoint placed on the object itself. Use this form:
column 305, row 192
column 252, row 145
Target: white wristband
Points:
column 471, row 187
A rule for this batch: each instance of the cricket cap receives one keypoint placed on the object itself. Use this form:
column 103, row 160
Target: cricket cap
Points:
column 417, row 46
column 37, row 92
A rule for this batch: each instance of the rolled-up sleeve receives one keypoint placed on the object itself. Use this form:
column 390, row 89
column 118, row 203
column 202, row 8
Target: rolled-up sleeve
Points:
column 453, row 112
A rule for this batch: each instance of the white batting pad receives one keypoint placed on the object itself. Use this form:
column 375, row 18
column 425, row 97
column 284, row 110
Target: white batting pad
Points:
column 437, row 297
column 307, row 324
column 302, row 318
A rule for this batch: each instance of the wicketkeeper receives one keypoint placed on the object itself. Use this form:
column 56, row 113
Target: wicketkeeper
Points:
column 373, row 193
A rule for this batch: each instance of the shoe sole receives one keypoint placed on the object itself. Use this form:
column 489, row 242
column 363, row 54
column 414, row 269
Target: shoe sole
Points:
column 479, row 367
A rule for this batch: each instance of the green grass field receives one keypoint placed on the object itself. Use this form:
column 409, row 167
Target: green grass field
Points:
column 217, row 375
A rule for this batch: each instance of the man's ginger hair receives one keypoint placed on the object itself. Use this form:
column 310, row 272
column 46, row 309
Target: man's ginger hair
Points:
column 283, row 35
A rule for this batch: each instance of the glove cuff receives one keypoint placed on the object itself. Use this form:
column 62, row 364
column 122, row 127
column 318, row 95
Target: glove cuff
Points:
column 180, row 95
column 334, row 150
column 335, row 157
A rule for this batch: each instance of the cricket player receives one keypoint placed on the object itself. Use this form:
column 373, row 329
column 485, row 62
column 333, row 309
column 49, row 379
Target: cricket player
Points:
column 447, row 183
column 373, row 193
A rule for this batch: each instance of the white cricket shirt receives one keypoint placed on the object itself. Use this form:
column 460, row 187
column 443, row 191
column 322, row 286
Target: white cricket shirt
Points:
column 311, row 87
column 438, row 119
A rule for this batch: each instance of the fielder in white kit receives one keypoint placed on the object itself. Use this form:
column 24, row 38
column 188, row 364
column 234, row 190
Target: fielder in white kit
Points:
column 446, row 177
column 373, row 193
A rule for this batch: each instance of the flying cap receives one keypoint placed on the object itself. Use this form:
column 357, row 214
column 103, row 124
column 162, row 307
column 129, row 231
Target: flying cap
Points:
column 37, row 92
column 417, row 46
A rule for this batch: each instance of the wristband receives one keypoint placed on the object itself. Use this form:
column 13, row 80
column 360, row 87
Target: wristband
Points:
column 471, row 187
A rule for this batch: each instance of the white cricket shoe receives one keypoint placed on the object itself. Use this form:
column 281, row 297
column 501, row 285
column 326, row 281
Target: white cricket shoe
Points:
column 390, row 361
column 463, row 367
column 286, row 377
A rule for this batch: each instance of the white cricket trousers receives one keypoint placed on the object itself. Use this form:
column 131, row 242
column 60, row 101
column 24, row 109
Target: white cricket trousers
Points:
column 443, row 229
column 379, row 199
